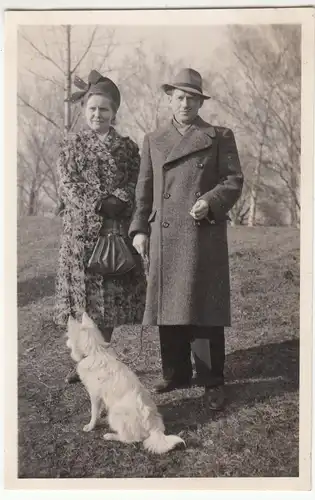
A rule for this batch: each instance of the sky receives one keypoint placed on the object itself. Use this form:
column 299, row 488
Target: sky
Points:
column 203, row 48
column 197, row 46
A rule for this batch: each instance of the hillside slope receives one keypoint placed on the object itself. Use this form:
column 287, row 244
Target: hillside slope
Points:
column 257, row 435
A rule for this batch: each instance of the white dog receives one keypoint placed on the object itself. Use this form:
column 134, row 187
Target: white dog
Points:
column 131, row 412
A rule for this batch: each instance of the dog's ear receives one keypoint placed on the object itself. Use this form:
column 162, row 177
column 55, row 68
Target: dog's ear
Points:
column 71, row 320
column 87, row 321
column 72, row 323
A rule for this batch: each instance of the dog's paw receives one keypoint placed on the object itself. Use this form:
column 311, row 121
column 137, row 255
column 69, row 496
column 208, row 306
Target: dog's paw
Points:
column 109, row 436
column 88, row 428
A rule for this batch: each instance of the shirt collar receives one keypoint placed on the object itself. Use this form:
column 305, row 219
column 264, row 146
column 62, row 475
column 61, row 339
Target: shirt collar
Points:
column 181, row 128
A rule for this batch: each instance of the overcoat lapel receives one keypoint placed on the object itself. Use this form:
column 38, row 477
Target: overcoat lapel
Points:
column 166, row 139
column 174, row 146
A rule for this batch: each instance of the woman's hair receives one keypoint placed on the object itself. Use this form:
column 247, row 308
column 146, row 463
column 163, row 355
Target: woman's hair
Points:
column 85, row 99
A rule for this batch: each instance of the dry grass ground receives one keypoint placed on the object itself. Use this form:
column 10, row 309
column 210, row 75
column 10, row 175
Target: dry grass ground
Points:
column 257, row 435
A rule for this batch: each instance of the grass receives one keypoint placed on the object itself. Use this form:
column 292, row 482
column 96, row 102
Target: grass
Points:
column 257, row 434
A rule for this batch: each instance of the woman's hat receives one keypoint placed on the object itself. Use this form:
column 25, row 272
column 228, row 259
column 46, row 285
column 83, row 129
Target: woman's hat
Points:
column 187, row 80
column 97, row 84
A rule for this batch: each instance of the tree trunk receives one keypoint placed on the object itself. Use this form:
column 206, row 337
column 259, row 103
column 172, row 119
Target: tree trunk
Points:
column 31, row 209
column 34, row 191
column 67, row 122
column 254, row 196
column 21, row 197
column 294, row 219
column 256, row 179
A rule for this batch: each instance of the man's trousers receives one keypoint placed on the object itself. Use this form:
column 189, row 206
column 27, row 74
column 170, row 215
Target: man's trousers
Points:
column 207, row 344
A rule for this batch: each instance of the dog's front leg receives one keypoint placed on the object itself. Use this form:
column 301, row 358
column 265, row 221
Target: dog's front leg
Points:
column 95, row 413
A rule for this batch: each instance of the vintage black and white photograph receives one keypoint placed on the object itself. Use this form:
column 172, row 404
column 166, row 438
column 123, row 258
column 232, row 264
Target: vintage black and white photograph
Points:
column 159, row 208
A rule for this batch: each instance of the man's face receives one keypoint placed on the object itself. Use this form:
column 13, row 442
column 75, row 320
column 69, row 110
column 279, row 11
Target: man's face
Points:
column 185, row 106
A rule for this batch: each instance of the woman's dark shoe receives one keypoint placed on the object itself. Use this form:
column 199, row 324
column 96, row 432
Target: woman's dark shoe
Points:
column 215, row 397
column 171, row 385
column 72, row 377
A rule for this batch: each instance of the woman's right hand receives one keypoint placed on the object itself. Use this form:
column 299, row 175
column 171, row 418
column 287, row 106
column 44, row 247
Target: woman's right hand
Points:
column 141, row 244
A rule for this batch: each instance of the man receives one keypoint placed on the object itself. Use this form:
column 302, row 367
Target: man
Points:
column 190, row 177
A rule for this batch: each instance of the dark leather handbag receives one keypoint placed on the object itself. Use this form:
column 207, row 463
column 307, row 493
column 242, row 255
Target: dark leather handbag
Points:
column 111, row 255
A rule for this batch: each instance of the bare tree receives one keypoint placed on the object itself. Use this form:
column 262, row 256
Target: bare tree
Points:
column 144, row 106
column 36, row 160
column 62, row 66
column 261, row 93
column 45, row 113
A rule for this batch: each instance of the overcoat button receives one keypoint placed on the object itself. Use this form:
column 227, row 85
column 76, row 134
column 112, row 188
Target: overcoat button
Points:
column 200, row 165
column 198, row 194
column 165, row 224
column 167, row 195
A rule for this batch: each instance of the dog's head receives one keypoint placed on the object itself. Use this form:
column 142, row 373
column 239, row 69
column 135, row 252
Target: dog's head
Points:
column 83, row 338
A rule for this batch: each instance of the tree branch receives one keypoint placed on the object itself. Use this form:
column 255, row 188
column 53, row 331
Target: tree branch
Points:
column 39, row 112
column 86, row 51
column 45, row 56
column 45, row 78
column 52, row 195
column 135, row 118
column 23, row 188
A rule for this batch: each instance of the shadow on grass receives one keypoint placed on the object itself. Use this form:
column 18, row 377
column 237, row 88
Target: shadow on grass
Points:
column 268, row 360
column 253, row 376
column 35, row 289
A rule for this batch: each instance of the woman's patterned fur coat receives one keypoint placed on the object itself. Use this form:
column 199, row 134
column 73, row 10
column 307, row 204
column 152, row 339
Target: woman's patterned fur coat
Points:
column 89, row 170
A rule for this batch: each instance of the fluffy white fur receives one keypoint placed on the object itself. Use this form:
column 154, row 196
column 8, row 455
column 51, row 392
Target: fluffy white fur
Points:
column 131, row 412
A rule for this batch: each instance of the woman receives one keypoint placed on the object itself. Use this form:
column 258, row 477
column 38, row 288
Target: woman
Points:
column 98, row 170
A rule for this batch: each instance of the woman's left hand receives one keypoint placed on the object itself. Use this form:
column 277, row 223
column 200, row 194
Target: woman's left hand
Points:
column 200, row 210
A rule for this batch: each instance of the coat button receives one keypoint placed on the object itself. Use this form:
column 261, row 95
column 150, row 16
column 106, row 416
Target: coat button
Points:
column 165, row 224
column 200, row 165
column 166, row 195
column 198, row 194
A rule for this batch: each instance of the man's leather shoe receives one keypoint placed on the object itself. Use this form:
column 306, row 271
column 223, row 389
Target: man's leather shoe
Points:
column 171, row 385
column 215, row 398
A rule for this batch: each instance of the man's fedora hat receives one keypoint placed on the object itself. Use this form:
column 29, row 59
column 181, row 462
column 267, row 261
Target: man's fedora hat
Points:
column 187, row 80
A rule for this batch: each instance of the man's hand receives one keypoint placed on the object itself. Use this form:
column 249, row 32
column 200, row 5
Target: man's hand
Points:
column 200, row 210
column 141, row 244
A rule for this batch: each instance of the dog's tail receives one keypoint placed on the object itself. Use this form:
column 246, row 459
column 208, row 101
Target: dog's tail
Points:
column 158, row 442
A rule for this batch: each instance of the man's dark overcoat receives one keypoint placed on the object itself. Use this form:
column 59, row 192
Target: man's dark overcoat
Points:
column 188, row 281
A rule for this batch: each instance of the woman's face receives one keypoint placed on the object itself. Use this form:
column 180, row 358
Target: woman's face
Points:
column 99, row 113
